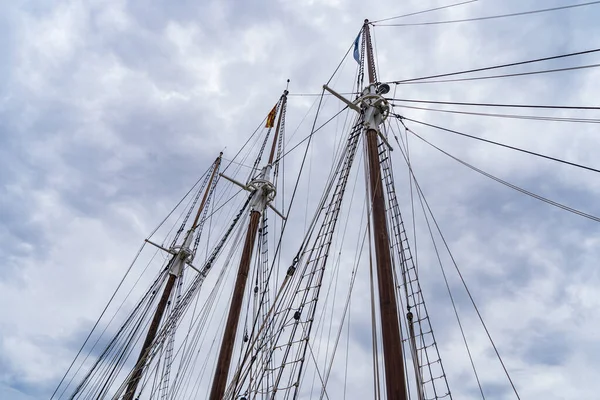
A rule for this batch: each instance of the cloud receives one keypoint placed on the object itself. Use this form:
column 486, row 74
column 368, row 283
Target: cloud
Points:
column 110, row 110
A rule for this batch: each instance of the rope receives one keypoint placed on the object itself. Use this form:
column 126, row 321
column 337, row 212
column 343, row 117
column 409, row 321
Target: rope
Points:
column 424, row 11
column 513, row 64
column 95, row 325
column 510, row 185
column 313, row 131
column 496, row 16
column 503, row 145
column 546, row 71
column 509, row 116
column 462, row 332
column 466, row 287
column 498, row 105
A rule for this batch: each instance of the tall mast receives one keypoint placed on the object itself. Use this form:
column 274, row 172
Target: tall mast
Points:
column 176, row 267
column 390, row 329
column 262, row 194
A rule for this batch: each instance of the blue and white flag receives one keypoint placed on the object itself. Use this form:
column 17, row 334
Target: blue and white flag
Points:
column 356, row 54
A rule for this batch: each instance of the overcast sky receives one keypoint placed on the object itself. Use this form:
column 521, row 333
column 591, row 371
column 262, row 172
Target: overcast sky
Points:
column 111, row 109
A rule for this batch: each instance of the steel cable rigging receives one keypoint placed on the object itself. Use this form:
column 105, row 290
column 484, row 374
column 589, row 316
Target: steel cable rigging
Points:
column 478, row 78
column 532, row 106
column 512, row 64
column 495, row 16
column 126, row 274
column 413, row 181
column 422, row 12
column 472, row 300
column 508, row 184
column 508, row 116
column 501, row 144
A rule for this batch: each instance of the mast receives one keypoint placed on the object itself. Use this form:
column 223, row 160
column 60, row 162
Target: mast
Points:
column 374, row 110
column 263, row 193
column 176, row 267
column 392, row 343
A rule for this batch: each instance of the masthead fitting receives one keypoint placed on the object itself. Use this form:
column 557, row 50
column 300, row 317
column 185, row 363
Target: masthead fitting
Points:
column 383, row 88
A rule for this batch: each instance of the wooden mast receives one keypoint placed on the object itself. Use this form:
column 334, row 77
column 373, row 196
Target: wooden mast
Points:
column 164, row 299
column 392, row 343
column 225, row 353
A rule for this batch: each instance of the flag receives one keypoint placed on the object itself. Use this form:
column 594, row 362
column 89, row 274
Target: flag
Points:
column 356, row 54
column 271, row 117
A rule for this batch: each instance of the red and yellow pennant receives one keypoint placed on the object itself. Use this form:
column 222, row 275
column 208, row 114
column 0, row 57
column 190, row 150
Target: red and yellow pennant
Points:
column 271, row 117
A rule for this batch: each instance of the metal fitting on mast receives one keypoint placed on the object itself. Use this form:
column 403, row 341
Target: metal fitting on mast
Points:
column 263, row 190
column 376, row 107
column 182, row 254
column 372, row 104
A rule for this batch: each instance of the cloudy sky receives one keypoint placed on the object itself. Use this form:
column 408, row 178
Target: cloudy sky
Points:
column 111, row 109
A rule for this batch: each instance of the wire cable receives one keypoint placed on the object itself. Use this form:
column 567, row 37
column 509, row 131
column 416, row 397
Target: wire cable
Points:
column 546, row 71
column 460, row 326
column 495, row 16
column 455, row 103
column 98, row 321
column 422, row 12
column 510, row 185
column 319, row 94
column 472, row 300
column 121, row 283
column 343, row 59
column 311, row 134
column 509, row 116
column 502, row 145
column 513, row 64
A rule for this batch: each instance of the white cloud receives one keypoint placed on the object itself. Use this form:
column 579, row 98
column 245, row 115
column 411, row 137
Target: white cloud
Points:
column 110, row 112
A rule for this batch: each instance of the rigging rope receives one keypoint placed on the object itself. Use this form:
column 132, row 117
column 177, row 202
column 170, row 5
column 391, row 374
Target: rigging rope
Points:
column 343, row 59
column 428, row 378
column 246, row 143
column 423, row 12
column 552, row 107
column 513, row 64
column 335, row 278
column 313, row 131
column 241, row 373
column 466, row 287
column 109, row 322
column 412, row 178
column 95, row 326
column 281, row 312
column 502, row 145
column 495, row 16
column 546, row 71
column 510, row 185
column 374, row 337
column 509, row 116
column 206, row 173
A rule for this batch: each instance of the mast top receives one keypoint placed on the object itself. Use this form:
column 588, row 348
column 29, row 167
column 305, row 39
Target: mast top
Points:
column 216, row 165
column 281, row 113
column 369, row 49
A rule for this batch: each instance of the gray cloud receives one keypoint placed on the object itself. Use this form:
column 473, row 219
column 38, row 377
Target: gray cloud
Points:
column 109, row 111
